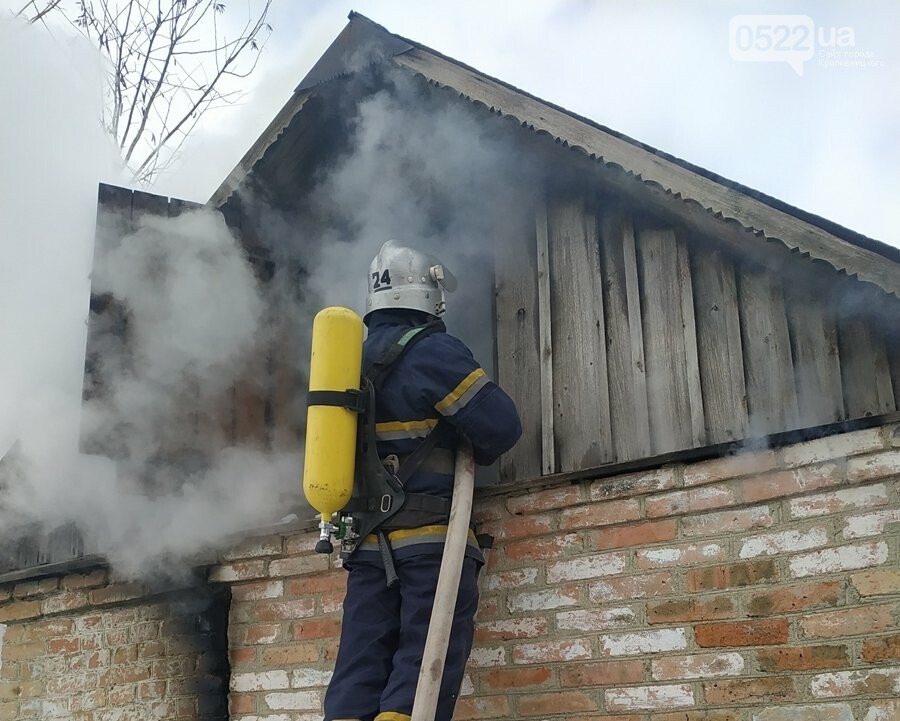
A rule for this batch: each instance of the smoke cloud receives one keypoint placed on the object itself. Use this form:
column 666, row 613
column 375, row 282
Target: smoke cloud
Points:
column 414, row 167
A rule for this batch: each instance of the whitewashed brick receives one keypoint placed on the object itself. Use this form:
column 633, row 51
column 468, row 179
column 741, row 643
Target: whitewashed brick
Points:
column 294, row 700
column 885, row 710
column 467, row 688
column 542, row 600
column 262, row 681
column 595, row 619
column 870, row 524
column 556, row 651
column 704, row 665
column 843, row 558
column 511, row 579
column 482, row 656
column 842, row 500
column 813, row 712
column 632, row 644
column 877, row 465
column 771, row 544
column 824, row 449
column 639, row 698
column 855, row 683
column 606, row 564
column 670, row 556
column 513, row 628
column 309, row 678
column 259, row 591
column 270, row 717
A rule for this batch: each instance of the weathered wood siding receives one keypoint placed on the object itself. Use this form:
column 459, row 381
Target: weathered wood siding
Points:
column 663, row 341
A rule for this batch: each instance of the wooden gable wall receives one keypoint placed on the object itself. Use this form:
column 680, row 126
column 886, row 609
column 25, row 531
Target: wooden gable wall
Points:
column 646, row 338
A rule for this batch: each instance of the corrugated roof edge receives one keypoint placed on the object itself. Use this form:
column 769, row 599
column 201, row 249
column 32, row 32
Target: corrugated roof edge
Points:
column 863, row 241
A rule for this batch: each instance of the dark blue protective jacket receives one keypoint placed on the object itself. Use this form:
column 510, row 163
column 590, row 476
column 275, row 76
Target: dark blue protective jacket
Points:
column 437, row 377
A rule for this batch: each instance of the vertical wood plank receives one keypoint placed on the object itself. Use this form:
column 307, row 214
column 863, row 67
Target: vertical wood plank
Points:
column 894, row 361
column 817, row 366
column 545, row 340
column 580, row 388
column 629, row 417
column 865, row 370
column 719, row 346
column 771, row 390
column 668, row 389
column 689, row 326
column 518, row 350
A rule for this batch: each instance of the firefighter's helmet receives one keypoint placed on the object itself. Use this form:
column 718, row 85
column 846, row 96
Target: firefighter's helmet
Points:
column 402, row 277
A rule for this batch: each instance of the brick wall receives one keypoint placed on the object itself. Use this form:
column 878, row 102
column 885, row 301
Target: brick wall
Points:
column 79, row 647
column 761, row 587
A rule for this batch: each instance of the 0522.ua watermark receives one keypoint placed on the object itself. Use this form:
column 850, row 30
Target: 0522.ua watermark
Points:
column 795, row 40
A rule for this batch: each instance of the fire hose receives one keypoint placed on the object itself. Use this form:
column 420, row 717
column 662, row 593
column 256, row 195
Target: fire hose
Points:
column 435, row 653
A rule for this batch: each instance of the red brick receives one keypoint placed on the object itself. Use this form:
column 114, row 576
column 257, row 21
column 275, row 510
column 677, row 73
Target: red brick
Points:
column 877, row 465
column 63, row 645
column 545, row 500
column 856, row 621
column 802, row 658
column 557, row 702
column 320, row 583
column 23, row 652
column 78, row 582
column 19, row 610
column 262, row 633
column 38, row 587
column 520, row 527
column 241, row 655
column 700, row 716
column 748, row 573
column 506, row 678
column 63, row 602
column 703, row 665
column 692, row 609
column 727, row 522
column 885, row 648
column 119, row 675
column 617, row 589
column 299, row 565
column 481, row 707
column 743, row 633
column 49, row 628
column 691, row 500
column 721, row 469
column 118, row 593
column 239, row 703
column 789, row 483
column 315, row 628
column 300, row 544
column 880, row 582
column 601, row 673
column 599, row 514
column 636, row 534
column 543, row 548
column 777, row 688
column 795, row 598
column 279, row 656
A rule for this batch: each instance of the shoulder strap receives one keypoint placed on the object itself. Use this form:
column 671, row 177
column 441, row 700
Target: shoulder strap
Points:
column 381, row 368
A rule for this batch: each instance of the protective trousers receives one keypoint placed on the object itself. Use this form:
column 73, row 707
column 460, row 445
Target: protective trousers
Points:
column 383, row 637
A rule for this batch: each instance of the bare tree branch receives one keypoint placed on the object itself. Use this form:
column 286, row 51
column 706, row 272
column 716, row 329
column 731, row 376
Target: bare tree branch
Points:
column 170, row 64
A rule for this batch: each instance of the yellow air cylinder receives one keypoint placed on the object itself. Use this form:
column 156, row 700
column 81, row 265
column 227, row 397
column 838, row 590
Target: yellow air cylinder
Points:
column 335, row 365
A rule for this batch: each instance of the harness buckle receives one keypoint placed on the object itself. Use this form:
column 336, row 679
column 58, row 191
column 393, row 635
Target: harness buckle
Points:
column 386, row 502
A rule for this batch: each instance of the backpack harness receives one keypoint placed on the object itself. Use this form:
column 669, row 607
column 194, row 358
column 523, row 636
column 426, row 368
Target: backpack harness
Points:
column 379, row 502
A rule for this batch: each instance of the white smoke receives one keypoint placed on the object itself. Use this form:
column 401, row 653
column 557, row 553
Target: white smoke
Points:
column 194, row 316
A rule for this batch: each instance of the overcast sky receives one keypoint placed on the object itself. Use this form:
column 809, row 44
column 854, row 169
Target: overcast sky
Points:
column 661, row 72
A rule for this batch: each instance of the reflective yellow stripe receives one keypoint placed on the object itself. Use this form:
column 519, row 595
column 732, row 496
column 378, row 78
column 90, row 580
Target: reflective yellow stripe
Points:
column 395, row 426
column 405, row 533
column 457, row 393
column 392, row 716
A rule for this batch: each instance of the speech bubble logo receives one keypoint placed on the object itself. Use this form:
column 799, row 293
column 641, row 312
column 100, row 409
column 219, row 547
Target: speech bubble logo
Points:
column 772, row 39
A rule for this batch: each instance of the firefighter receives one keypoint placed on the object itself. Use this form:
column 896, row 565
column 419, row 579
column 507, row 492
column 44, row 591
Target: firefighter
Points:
column 435, row 390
